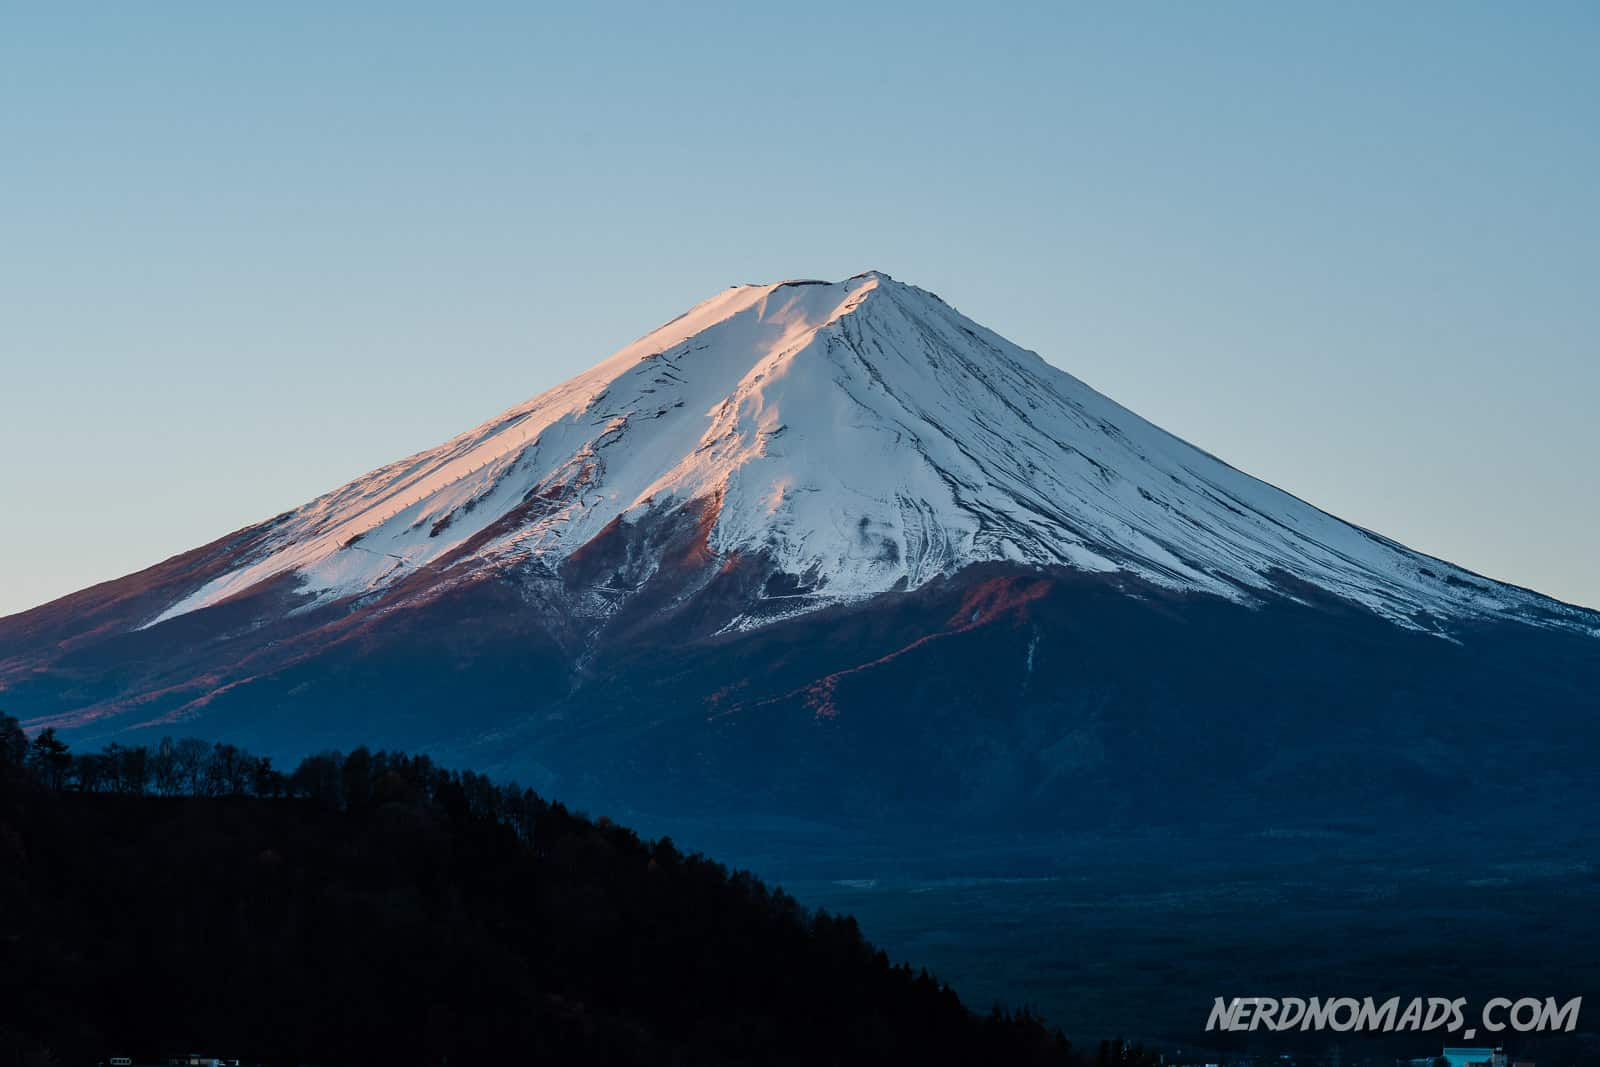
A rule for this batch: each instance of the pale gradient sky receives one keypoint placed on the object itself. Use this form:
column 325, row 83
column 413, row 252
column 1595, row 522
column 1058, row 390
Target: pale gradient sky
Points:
column 252, row 252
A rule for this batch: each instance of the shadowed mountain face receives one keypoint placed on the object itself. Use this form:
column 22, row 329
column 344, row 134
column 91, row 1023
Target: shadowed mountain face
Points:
column 1042, row 698
column 837, row 551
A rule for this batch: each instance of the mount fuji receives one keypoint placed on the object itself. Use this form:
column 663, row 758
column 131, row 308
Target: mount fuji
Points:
column 832, row 548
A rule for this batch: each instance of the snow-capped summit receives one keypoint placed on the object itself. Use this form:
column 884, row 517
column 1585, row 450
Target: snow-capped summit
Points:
column 860, row 437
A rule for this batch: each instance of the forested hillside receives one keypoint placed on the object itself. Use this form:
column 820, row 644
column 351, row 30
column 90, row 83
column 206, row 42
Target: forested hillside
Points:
column 375, row 908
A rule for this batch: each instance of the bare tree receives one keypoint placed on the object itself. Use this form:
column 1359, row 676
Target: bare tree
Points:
column 164, row 768
column 189, row 757
column 132, row 770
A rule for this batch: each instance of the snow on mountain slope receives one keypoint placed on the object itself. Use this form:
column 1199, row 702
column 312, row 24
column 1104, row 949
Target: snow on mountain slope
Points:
column 862, row 436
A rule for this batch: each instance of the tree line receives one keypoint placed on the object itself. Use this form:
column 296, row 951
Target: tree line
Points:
column 191, row 767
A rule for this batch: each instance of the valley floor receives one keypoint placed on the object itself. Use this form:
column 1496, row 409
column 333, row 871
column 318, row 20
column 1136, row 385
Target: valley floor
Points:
column 1136, row 934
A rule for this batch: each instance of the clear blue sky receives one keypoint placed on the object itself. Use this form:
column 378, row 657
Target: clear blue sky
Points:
column 251, row 251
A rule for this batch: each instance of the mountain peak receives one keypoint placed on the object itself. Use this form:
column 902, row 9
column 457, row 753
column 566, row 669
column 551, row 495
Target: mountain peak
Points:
column 858, row 437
